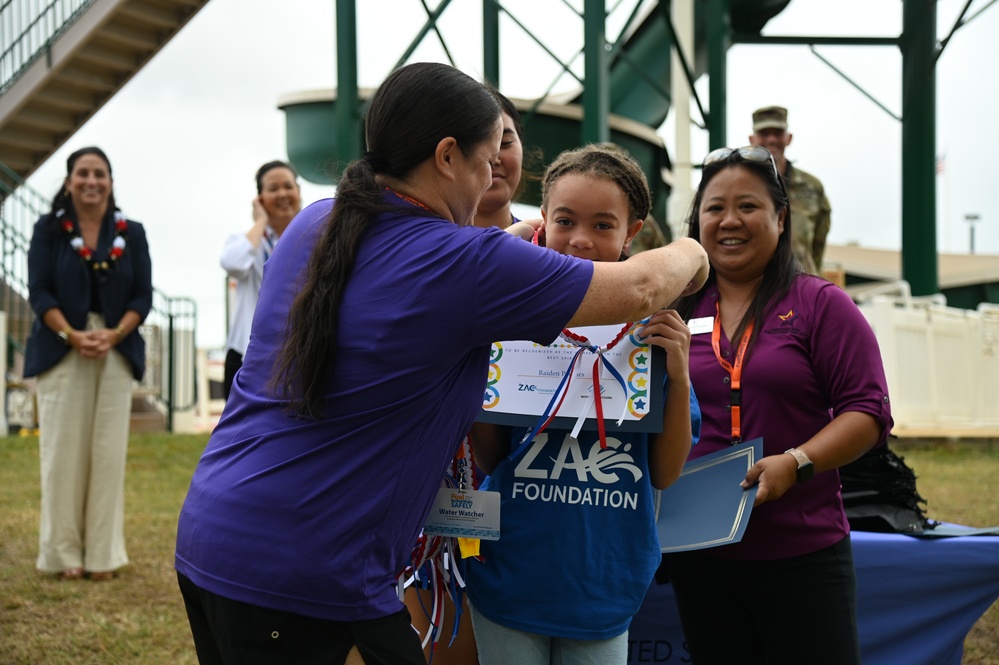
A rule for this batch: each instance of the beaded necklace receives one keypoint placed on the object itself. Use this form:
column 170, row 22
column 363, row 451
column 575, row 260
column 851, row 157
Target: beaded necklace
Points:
column 71, row 228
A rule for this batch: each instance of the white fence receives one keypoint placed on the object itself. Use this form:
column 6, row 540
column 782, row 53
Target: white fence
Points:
column 942, row 363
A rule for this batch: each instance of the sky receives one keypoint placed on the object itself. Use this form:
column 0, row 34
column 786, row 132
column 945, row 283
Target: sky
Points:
column 187, row 133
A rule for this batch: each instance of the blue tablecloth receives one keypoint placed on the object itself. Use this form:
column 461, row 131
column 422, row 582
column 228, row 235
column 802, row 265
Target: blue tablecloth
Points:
column 917, row 598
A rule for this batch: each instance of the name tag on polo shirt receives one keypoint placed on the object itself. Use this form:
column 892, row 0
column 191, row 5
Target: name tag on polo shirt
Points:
column 465, row 514
column 701, row 325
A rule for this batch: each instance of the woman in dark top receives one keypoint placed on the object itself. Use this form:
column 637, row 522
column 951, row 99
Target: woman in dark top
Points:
column 786, row 356
column 90, row 286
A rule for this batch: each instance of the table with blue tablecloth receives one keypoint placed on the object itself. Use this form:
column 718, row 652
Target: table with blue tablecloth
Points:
column 917, row 598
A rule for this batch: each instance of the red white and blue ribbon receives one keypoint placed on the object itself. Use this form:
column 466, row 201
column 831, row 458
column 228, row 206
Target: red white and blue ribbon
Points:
column 436, row 562
column 555, row 404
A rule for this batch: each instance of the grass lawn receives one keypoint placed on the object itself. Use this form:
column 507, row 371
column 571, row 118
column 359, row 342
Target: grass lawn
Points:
column 139, row 618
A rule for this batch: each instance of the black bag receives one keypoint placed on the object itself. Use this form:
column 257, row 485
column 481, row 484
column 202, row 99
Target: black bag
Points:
column 879, row 494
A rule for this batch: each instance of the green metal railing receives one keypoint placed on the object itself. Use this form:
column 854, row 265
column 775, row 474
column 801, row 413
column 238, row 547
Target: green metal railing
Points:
column 27, row 30
column 169, row 330
column 19, row 208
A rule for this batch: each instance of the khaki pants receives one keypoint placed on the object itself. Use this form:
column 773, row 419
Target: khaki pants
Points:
column 83, row 413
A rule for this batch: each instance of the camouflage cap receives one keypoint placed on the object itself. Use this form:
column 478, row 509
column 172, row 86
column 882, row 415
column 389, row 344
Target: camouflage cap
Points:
column 770, row 117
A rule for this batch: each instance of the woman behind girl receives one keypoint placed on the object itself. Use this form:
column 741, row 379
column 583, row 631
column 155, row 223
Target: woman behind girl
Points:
column 593, row 202
column 495, row 209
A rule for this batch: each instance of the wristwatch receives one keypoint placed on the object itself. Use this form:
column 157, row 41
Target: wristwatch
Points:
column 805, row 468
column 64, row 334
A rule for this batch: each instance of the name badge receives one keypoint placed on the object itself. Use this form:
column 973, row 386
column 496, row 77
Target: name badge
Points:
column 701, row 325
column 465, row 514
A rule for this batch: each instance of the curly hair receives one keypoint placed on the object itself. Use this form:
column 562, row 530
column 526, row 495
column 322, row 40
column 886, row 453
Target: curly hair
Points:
column 604, row 161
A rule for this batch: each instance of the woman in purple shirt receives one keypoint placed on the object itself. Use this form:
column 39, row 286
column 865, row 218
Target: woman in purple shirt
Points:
column 778, row 354
column 367, row 361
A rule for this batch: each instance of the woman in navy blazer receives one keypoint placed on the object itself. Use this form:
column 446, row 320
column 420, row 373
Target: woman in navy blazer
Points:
column 90, row 286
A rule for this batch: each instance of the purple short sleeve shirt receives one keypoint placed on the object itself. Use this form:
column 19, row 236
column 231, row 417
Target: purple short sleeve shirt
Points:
column 319, row 517
column 815, row 357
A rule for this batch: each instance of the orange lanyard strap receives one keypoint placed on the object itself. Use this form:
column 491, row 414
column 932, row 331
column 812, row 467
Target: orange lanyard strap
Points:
column 734, row 371
column 409, row 199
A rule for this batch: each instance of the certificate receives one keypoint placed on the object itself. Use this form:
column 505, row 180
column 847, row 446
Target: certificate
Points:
column 706, row 506
column 527, row 380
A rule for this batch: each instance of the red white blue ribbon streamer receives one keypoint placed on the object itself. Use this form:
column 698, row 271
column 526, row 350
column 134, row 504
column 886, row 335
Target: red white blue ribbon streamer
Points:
column 555, row 404
column 436, row 563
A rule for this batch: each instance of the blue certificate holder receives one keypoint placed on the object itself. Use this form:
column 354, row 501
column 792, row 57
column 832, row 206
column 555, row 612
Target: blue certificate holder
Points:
column 706, row 506
column 524, row 377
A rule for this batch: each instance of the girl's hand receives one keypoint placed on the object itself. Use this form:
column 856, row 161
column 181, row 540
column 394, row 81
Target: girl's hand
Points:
column 527, row 228
column 667, row 330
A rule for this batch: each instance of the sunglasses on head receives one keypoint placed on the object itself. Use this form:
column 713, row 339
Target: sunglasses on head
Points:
column 749, row 153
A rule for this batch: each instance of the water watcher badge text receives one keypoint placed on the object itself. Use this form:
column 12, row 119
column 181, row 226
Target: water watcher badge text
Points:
column 465, row 514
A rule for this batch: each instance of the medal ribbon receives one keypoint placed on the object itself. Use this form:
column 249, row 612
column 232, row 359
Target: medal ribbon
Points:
column 563, row 387
column 734, row 370
column 584, row 344
column 268, row 240
column 435, row 562
column 408, row 199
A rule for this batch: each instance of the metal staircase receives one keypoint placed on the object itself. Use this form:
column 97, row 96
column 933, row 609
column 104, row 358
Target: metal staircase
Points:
column 61, row 60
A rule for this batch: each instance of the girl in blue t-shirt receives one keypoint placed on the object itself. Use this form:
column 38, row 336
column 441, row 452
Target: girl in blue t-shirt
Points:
column 565, row 578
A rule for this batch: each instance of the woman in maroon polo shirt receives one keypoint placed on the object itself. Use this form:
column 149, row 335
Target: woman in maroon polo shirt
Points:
column 782, row 355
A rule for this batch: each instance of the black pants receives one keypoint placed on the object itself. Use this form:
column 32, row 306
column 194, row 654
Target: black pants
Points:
column 233, row 361
column 786, row 612
column 228, row 632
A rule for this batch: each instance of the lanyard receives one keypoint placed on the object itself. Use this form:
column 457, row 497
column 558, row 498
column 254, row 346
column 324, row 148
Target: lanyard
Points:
column 269, row 239
column 408, row 199
column 735, row 371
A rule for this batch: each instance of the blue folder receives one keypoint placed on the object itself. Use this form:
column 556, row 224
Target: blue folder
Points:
column 706, row 506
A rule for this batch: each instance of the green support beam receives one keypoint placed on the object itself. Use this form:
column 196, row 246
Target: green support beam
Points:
column 919, row 49
column 346, row 112
column 804, row 40
column 719, row 40
column 919, row 201
column 490, row 41
column 596, row 93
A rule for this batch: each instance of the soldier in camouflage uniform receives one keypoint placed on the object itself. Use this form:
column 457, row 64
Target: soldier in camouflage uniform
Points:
column 810, row 210
column 650, row 237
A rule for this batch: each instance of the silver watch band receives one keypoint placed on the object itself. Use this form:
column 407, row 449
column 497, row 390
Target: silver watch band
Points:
column 799, row 456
